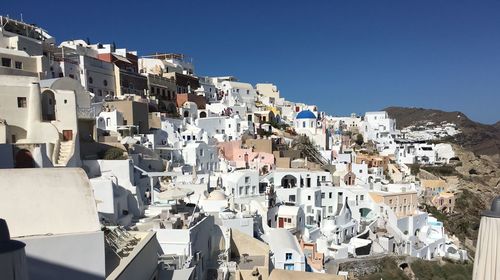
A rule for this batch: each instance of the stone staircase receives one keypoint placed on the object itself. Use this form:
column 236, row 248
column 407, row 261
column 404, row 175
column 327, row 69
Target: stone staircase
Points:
column 65, row 150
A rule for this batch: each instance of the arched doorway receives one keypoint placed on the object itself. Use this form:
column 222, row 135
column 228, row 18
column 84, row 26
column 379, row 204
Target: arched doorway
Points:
column 24, row 159
column 288, row 181
column 203, row 114
column 48, row 106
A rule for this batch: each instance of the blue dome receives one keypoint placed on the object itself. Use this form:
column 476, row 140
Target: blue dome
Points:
column 306, row 114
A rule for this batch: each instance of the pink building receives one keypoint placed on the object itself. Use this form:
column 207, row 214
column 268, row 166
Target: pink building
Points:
column 240, row 157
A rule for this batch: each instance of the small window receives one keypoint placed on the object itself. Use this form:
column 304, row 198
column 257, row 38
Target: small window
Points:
column 6, row 62
column 91, row 80
column 19, row 65
column 308, row 197
column 21, row 102
column 288, row 256
column 247, row 179
column 105, row 82
column 91, row 90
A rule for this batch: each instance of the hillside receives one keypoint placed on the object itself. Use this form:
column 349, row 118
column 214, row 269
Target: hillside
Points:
column 479, row 138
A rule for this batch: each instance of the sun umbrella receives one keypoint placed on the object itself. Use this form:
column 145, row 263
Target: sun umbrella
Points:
column 174, row 193
column 487, row 261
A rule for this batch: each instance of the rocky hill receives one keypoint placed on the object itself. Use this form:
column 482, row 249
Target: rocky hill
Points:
column 479, row 138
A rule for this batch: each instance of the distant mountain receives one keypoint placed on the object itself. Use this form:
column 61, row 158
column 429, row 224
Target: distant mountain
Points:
column 479, row 138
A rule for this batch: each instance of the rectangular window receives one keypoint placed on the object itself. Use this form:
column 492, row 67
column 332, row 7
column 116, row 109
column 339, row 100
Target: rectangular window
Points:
column 322, row 195
column 6, row 62
column 247, row 179
column 330, row 209
column 21, row 102
column 308, row 197
column 18, row 65
column 330, row 195
column 201, row 152
column 288, row 256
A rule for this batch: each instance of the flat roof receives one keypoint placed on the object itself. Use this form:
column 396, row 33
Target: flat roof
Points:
column 42, row 201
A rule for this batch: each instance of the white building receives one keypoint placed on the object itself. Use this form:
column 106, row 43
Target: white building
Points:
column 287, row 253
column 57, row 216
column 241, row 183
column 307, row 123
column 378, row 127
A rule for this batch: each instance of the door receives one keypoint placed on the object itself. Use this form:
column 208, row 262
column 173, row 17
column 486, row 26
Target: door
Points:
column 67, row 135
column 281, row 223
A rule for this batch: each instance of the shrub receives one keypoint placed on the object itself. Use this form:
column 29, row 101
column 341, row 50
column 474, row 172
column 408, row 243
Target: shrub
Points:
column 114, row 154
column 415, row 169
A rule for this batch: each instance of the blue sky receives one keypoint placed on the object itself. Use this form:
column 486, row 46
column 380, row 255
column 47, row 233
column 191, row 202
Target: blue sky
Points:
column 346, row 56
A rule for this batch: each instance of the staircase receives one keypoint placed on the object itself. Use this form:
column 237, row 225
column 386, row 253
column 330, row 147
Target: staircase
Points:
column 65, row 150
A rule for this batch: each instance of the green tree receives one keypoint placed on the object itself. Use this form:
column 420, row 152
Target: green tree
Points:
column 359, row 139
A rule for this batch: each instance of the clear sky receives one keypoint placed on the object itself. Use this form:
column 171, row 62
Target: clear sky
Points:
column 345, row 56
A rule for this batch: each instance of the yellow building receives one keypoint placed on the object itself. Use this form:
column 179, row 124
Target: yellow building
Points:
column 433, row 187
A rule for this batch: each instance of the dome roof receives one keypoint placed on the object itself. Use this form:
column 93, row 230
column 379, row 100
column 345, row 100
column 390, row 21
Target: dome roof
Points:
column 217, row 195
column 306, row 114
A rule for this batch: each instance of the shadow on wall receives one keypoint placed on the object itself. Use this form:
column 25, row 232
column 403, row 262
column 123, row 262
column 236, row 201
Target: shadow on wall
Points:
column 42, row 270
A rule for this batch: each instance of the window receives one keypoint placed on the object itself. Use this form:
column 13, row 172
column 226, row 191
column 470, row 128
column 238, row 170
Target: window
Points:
column 201, row 152
column 6, row 62
column 330, row 195
column 91, row 80
column 308, row 197
column 19, row 65
column 291, row 198
column 105, row 82
column 247, row 179
column 361, row 197
column 322, row 195
column 289, row 266
column 100, row 92
column 21, row 102
column 288, row 256
column 330, row 209
column 91, row 90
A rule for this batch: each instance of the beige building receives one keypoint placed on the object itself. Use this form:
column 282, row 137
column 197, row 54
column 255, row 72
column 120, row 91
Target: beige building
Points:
column 19, row 63
column 134, row 113
column 402, row 203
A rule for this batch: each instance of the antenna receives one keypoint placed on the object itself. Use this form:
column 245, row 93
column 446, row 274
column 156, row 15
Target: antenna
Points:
column 22, row 17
